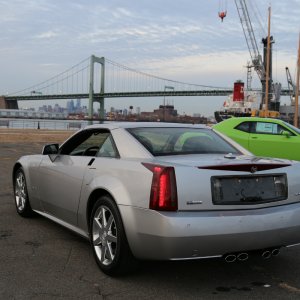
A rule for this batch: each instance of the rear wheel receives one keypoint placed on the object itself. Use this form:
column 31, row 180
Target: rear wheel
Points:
column 21, row 195
column 108, row 239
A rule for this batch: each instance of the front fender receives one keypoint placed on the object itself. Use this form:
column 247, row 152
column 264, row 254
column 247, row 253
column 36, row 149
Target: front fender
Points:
column 30, row 165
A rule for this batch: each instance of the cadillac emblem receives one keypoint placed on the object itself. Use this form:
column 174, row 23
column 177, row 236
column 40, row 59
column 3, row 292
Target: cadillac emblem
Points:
column 253, row 169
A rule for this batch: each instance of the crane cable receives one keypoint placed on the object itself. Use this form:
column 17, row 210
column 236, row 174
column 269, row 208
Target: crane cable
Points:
column 222, row 9
column 222, row 5
column 258, row 17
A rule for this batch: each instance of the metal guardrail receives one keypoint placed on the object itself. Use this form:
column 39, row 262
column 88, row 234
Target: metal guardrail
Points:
column 42, row 124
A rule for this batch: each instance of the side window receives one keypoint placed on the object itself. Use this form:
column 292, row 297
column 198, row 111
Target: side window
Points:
column 89, row 147
column 281, row 129
column 269, row 128
column 245, row 127
column 108, row 148
column 87, row 143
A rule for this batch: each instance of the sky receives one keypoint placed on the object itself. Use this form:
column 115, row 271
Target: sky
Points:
column 181, row 40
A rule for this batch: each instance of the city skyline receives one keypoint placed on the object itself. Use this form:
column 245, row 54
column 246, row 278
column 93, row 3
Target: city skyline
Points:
column 71, row 108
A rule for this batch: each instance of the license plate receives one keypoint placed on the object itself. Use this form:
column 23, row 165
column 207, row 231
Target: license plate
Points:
column 248, row 189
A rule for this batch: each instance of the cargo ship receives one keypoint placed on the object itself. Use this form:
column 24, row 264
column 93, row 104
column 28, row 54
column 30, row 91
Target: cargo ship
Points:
column 243, row 104
column 239, row 104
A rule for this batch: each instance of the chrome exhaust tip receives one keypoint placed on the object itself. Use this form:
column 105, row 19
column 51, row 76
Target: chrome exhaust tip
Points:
column 275, row 252
column 243, row 256
column 266, row 254
column 230, row 258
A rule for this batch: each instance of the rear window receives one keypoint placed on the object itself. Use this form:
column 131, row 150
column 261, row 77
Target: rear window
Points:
column 178, row 141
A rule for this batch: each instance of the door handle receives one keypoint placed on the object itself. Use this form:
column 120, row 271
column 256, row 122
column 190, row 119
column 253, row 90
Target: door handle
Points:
column 253, row 137
column 91, row 161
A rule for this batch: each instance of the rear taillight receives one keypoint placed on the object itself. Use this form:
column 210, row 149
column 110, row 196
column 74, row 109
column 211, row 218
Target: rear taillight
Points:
column 163, row 189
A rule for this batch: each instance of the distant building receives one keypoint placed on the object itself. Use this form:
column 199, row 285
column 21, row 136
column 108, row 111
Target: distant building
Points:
column 70, row 106
column 78, row 105
column 166, row 112
column 287, row 113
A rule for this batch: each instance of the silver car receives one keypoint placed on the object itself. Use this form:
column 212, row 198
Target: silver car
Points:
column 160, row 191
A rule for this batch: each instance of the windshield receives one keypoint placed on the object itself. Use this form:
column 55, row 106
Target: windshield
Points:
column 179, row 141
column 292, row 127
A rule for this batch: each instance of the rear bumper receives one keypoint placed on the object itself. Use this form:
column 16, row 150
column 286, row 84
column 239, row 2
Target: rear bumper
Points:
column 190, row 235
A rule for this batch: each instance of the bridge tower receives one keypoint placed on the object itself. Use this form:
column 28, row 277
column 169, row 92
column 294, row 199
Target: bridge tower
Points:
column 101, row 61
column 4, row 104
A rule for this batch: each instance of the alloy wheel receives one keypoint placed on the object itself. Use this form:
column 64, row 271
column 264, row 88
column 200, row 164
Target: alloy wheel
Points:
column 20, row 191
column 105, row 235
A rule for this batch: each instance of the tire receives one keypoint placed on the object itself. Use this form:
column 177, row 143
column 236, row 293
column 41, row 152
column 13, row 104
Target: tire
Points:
column 21, row 195
column 108, row 239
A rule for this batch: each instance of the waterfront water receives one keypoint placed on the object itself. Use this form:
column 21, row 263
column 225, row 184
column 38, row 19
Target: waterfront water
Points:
column 43, row 124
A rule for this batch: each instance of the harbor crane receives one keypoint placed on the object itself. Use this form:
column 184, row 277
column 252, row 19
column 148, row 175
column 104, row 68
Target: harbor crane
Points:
column 259, row 63
column 291, row 86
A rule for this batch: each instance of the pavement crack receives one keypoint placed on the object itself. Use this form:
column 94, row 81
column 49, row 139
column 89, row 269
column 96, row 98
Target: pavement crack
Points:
column 290, row 288
column 68, row 259
column 96, row 285
column 4, row 234
column 34, row 245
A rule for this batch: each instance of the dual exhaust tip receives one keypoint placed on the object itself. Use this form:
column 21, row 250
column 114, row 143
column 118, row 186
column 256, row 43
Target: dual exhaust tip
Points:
column 268, row 253
column 234, row 257
column 243, row 256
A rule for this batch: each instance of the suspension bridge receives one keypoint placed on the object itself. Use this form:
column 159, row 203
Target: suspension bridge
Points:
column 97, row 78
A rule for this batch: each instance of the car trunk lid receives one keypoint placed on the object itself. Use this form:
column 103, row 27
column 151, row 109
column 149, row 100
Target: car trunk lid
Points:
column 218, row 182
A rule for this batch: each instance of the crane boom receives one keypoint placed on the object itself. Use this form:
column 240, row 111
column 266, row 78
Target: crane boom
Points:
column 270, row 91
column 291, row 86
column 256, row 58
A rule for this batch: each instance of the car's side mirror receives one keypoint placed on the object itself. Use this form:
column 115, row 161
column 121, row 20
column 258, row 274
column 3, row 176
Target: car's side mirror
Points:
column 286, row 133
column 50, row 149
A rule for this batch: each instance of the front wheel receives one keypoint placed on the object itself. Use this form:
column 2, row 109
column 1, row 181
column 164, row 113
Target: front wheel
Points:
column 21, row 195
column 108, row 239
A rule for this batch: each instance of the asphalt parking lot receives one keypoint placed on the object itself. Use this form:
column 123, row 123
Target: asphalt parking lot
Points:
column 41, row 260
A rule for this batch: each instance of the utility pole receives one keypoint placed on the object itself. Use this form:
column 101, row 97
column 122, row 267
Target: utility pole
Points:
column 268, row 67
column 297, row 88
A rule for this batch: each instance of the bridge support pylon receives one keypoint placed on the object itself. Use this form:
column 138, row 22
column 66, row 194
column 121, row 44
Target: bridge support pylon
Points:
column 100, row 60
column 4, row 104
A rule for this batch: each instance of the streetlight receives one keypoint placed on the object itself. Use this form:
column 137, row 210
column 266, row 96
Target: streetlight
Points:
column 170, row 88
column 35, row 93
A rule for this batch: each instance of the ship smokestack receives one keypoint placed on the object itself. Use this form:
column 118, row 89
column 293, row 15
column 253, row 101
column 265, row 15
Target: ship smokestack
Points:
column 238, row 91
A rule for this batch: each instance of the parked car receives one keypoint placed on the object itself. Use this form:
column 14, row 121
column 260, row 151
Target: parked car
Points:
column 162, row 192
column 263, row 136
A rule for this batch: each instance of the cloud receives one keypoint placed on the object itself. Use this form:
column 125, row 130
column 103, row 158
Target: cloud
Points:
column 121, row 12
column 49, row 65
column 47, row 35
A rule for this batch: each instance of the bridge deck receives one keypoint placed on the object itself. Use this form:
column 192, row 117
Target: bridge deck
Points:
column 220, row 92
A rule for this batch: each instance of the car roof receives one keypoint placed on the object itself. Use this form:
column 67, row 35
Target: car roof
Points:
column 237, row 120
column 254, row 119
column 116, row 125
